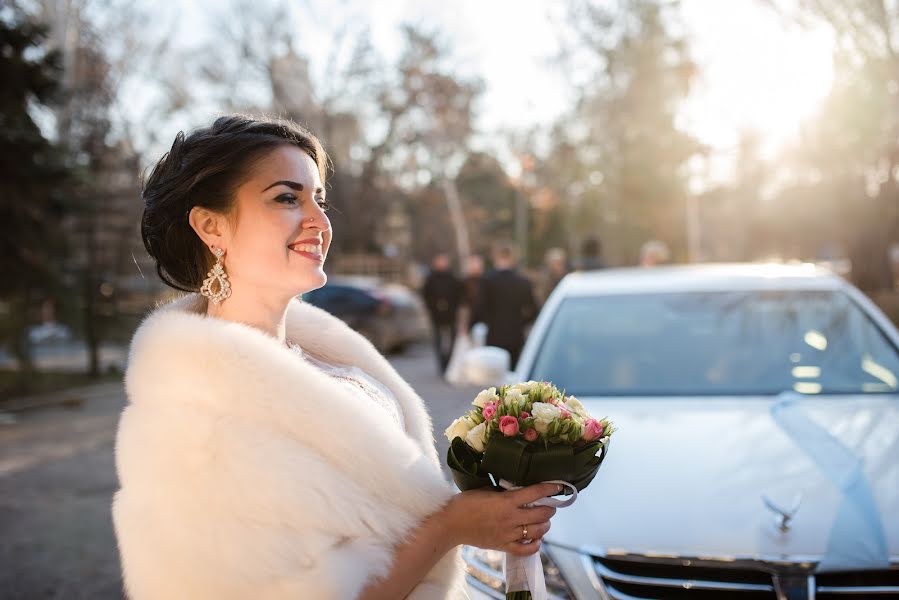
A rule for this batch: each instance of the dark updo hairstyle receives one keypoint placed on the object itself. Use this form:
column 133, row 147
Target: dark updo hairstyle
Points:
column 205, row 169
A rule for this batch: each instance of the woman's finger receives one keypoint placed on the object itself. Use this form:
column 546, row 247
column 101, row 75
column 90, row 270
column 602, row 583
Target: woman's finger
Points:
column 534, row 514
column 531, row 531
column 519, row 549
column 536, row 531
column 535, row 492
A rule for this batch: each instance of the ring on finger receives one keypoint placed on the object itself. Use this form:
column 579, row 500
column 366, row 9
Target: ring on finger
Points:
column 524, row 535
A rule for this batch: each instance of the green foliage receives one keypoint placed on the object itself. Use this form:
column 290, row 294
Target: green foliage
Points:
column 31, row 189
column 489, row 200
column 30, row 206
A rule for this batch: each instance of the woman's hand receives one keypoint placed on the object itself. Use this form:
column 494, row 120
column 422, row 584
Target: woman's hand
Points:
column 496, row 520
column 482, row 518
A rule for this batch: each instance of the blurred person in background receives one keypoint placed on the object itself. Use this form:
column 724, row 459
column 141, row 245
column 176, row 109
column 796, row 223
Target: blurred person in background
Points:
column 653, row 253
column 443, row 295
column 471, row 286
column 464, row 341
column 555, row 267
column 474, row 271
column 591, row 255
column 262, row 435
column 506, row 302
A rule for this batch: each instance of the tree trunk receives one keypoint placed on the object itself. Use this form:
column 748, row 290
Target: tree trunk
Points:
column 872, row 270
column 454, row 206
column 21, row 341
column 91, row 326
column 522, row 207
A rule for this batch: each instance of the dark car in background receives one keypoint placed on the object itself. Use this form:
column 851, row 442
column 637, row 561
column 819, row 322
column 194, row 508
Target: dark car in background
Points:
column 389, row 315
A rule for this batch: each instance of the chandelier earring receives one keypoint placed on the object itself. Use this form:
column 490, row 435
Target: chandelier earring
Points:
column 216, row 286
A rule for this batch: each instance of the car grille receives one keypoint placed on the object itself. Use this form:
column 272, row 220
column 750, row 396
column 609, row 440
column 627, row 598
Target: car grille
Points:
column 856, row 585
column 676, row 579
column 639, row 577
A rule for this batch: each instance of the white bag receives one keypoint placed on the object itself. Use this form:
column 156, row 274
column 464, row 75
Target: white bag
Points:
column 455, row 372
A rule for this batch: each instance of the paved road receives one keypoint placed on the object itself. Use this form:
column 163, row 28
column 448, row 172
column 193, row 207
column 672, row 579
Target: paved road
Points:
column 57, row 477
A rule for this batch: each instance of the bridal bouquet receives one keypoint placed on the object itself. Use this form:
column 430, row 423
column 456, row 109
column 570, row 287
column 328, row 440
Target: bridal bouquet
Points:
column 519, row 435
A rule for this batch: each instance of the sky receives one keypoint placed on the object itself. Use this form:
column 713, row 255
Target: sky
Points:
column 755, row 71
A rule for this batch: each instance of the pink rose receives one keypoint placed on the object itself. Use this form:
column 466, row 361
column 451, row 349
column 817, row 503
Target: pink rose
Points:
column 508, row 425
column 525, row 414
column 489, row 410
column 592, row 430
column 553, row 401
column 530, row 434
column 564, row 414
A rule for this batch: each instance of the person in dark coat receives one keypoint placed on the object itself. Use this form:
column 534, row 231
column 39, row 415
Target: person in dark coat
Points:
column 506, row 303
column 591, row 255
column 474, row 271
column 442, row 295
column 555, row 268
column 471, row 286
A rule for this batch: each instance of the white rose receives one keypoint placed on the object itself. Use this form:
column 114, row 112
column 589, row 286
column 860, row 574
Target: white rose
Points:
column 574, row 405
column 512, row 398
column 544, row 414
column 477, row 437
column 459, row 428
column 526, row 387
column 488, row 395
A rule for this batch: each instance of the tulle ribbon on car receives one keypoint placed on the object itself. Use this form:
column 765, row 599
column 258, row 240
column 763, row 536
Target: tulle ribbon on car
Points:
column 857, row 539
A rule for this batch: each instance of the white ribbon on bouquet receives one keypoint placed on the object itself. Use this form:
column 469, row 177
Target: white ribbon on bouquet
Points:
column 528, row 570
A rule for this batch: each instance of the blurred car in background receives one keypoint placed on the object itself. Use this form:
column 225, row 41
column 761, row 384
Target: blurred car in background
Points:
column 49, row 332
column 706, row 493
column 389, row 315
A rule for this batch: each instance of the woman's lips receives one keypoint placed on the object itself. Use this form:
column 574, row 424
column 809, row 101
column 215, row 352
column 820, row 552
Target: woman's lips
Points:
column 311, row 256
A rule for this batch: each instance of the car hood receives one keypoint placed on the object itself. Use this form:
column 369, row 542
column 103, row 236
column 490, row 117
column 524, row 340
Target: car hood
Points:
column 686, row 477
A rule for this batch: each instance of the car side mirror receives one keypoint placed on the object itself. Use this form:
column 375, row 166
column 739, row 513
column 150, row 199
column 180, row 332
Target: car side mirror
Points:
column 486, row 366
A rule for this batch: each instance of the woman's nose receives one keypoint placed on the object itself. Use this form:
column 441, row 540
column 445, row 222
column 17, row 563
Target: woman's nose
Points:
column 318, row 220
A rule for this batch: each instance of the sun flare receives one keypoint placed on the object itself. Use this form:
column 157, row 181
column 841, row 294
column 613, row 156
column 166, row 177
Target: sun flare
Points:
column 756, row 74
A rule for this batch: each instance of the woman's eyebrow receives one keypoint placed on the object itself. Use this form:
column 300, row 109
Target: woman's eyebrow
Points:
column 291, row 184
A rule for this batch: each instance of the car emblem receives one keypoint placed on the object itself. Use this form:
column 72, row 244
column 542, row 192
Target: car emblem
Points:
column 784, row 516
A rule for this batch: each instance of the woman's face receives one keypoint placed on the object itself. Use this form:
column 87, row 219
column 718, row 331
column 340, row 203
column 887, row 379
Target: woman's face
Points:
column 280, row 235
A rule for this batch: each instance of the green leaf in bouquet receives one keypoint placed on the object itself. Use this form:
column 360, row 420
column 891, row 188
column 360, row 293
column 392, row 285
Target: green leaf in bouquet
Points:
column 465, row 465
column 556, row 462
column 522, row 463
column 587, row 463
column 503, row 458
column 586, row 455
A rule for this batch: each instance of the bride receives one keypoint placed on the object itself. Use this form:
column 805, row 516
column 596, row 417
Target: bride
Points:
column 267, row 450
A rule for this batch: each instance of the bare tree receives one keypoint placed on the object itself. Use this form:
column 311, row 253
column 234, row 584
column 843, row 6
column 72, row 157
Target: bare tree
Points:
column 430, row 116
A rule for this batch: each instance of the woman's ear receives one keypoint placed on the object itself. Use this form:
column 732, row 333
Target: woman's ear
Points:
column 210, row 226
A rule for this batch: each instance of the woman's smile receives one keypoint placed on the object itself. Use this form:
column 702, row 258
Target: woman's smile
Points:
column 311, row 249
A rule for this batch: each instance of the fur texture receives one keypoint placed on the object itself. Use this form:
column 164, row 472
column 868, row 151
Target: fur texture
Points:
column 246, row 473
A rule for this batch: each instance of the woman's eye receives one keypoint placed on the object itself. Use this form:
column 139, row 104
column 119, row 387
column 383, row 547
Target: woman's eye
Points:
column 286, row 199
column 323, row 204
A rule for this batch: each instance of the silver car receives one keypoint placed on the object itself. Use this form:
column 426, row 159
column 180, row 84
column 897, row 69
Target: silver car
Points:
column 709, row 490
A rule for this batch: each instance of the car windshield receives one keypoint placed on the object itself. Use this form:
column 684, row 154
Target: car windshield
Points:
column 716, row 343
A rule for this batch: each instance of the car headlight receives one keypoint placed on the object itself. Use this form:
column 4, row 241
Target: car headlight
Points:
column 485, row 573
